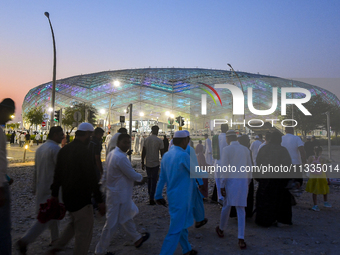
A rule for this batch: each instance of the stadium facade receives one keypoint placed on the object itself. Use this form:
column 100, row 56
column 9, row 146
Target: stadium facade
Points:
column 156, row 92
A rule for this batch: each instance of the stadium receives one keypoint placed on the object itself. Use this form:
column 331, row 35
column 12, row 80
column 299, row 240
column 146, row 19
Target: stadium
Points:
column 157, row 93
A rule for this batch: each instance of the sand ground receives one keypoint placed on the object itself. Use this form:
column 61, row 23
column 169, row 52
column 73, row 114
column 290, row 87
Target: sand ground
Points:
column 311, row 233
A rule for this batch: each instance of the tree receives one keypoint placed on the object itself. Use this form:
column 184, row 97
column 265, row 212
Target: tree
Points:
column 306, row 123
column 13, row 125
column 68, row 118
column 35, row 116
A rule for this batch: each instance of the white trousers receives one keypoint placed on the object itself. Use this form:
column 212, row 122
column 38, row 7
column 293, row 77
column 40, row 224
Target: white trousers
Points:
column 38, row 228
column 108, row 232
column 241, row 218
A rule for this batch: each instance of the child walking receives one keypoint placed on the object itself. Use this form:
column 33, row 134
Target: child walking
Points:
column 318, row 183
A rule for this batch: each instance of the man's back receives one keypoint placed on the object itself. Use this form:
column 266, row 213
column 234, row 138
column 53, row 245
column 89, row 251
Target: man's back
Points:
column 112, row 143
column 254, row 147
column 76, row 175
column 236, row 155
column 175, row 171
column 222, row 142
column 292, row 143
column 152, row 145
column 95, row 148
column 45, row 162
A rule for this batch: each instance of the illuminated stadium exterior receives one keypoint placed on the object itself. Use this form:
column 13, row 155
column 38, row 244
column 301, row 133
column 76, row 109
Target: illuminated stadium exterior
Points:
column 156, row 92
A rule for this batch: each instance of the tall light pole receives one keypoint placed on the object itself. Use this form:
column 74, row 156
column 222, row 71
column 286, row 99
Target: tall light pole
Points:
column 129, row 111
column 54, row 69
column 244, row 114
column 328, row 114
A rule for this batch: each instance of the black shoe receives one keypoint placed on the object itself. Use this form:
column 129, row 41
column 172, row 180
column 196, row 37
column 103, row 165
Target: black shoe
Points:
column 22, row 247
column 151, row 202
column 145, row 237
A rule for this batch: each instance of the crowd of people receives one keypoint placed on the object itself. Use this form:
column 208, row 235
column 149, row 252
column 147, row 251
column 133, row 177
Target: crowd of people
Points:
column 72, row 178
column 24, row 138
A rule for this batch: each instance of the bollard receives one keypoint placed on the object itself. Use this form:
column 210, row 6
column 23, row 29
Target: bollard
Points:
column 24, row 158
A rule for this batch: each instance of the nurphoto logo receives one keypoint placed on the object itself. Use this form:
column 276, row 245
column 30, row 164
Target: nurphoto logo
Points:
column 238, row 104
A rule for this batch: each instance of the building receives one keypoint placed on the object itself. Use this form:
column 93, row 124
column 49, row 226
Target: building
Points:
column 157, row 93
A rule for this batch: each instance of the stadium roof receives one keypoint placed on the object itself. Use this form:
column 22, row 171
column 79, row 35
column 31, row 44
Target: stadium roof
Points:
column 155, row 91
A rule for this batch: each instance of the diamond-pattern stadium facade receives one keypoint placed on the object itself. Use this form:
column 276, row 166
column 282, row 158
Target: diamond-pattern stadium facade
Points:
column 155, row 91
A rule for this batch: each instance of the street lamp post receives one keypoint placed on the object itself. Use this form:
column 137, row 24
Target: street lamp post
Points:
column 129, row 110
column 329, row 133
column 54, row 68
column 244, row 114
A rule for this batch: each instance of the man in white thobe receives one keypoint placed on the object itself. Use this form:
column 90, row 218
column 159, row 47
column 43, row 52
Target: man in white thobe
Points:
column 22, row 139
column 141, row 145
column 44, row 137
column 171, row 142
column 113, row 141
column 175, row 174
column 234, row 185
column 17, row 137
column 45, row 162
column 136, row 144
column 119, row 188
column 107, row 140
column 37, row 138
column 295, row 147
column 222, row 142
column 254, row 147
column 208, row 151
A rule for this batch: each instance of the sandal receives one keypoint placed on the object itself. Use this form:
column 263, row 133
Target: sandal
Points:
column 219, row 232
column 242, row 245
column 145, row 236
column 201, row 223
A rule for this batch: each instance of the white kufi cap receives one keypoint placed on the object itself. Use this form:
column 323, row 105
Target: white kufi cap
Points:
column 85, row 126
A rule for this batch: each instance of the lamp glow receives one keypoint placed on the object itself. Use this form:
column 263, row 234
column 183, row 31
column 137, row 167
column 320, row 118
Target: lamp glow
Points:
column 26, row 147
column 116, row 83
column 172, row 116
column 12, row 116
column 167, row 113
column 102, row 111
column 141, row 114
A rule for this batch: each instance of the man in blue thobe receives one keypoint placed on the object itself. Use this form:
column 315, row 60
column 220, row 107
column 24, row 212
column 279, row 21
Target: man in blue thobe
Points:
column 197, row 197
column 175, row 173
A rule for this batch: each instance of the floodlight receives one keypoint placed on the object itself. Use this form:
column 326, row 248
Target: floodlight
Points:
column 116, row 83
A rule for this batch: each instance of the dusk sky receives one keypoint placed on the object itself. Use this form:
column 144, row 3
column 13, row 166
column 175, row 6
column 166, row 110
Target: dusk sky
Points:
column 288, row 39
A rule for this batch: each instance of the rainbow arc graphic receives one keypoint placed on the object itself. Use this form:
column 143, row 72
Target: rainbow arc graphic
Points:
column 210, row 94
